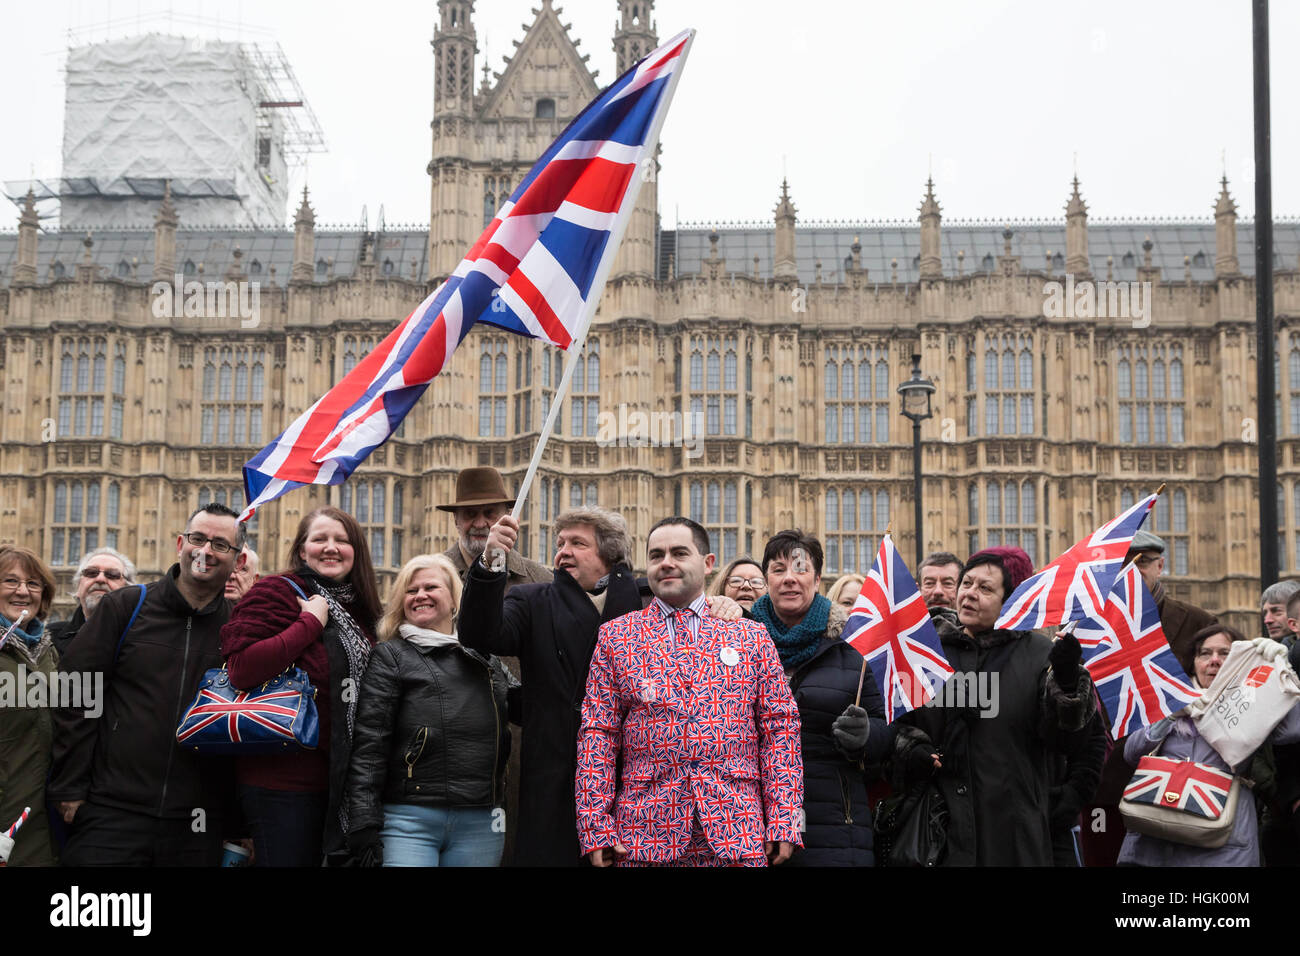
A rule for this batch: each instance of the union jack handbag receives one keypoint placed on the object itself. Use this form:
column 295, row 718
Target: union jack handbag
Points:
column 277, row 716
column 1181, row 801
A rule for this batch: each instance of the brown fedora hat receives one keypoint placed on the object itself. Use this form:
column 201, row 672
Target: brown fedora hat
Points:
column 476, row 487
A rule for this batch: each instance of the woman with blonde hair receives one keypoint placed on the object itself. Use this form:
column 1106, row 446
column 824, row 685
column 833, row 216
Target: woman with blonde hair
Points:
column 845, row 590
column 429, row 752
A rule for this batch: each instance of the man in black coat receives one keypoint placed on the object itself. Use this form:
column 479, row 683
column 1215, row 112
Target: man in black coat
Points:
column 551, row 628
column 132, row 796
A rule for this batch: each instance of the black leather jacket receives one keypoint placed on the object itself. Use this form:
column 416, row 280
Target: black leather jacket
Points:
column 431, row 729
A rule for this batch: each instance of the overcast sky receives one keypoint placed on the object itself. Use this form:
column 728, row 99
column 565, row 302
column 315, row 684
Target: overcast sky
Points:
column 855, row 101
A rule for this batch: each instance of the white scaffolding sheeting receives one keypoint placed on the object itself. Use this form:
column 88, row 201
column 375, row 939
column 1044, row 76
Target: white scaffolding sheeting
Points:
column 214, row 115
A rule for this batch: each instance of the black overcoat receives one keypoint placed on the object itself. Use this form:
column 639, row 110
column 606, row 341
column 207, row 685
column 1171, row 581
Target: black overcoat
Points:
column 551, row 628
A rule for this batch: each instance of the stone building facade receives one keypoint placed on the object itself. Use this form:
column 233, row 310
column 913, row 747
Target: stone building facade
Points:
column 783, row 342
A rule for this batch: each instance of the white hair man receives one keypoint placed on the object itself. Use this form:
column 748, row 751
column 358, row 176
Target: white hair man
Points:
column 100, row 572
column 244, row 576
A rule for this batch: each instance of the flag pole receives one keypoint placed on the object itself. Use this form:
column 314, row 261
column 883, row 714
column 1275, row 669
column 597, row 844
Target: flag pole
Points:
column 598, row 285
column 862, row 674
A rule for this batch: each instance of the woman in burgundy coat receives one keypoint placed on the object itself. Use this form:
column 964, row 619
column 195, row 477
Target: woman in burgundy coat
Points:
column 293, row 801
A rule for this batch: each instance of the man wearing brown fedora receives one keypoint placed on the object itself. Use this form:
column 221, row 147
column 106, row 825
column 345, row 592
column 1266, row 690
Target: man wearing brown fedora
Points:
column 480, row 500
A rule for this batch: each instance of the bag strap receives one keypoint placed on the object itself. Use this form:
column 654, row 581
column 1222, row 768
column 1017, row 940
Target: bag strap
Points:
column 294, row 584
column 134, row 614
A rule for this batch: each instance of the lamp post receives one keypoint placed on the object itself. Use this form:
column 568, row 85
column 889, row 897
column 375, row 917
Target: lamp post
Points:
column 916, row 392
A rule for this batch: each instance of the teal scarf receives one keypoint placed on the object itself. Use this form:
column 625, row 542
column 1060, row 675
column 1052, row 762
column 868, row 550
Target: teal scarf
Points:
column 31, row 635
column 795, row 644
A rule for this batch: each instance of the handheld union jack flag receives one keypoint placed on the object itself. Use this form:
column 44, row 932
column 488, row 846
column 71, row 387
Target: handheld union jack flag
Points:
column 1132, row 665
column 890, row 627
column 1180, row 785
column 538, row 270
column 1075, row 585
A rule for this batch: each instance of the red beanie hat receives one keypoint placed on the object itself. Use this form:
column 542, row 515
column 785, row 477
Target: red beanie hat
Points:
column 1014, row 562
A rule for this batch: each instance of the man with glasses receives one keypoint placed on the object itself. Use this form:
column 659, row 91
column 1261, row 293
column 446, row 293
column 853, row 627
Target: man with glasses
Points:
column 100, row 572
column 131, row 795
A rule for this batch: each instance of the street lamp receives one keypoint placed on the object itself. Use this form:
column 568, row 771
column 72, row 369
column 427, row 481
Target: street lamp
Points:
column 916, row 392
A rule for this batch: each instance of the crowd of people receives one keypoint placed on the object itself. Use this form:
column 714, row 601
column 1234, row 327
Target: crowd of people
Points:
column 696, row 716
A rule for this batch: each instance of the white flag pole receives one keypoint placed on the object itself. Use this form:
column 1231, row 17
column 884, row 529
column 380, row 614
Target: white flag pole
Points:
column 598, row 284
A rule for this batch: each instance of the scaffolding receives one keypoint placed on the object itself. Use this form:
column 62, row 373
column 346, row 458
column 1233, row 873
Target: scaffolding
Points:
column 224, row 121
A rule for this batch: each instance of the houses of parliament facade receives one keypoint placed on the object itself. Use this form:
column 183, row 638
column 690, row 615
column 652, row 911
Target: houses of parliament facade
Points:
column 784, row 343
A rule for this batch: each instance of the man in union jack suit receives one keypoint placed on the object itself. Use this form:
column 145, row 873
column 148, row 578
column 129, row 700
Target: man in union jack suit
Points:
column 712, row 771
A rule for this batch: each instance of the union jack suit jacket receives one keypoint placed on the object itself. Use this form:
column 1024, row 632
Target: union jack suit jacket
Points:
column 715, row 739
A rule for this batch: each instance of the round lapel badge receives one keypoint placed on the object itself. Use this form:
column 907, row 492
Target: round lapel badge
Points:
column 730, row 656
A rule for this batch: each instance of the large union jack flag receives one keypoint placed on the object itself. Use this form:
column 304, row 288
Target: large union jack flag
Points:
column 1125, row 650
column 1180, row 785
column 890, row 626
column 1075, row 585
column 537, row 270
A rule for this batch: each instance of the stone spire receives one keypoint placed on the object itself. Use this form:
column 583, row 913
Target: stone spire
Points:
column 634, row 34
column 1076, row 233
column 304, row 242
column 931, row 261
column 1225, row 234
column 28, row 223
column 164, row 237
column 454, row 47
column 784, row 264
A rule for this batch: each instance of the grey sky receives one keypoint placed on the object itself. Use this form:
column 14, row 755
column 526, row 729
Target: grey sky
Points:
column 856, row 101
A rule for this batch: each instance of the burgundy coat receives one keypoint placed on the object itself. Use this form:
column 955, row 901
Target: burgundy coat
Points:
column 268, row 630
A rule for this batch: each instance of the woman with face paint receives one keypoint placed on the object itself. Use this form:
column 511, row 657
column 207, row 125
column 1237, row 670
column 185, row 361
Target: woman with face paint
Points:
column 840, row 738
column 293, row 801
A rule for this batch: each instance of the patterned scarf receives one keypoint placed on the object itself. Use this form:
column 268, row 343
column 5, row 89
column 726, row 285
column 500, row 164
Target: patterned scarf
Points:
column 795, row 644
column 353, row 640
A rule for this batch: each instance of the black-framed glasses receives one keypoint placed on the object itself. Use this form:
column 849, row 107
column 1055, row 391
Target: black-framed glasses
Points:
column 756, row 584
column 89, row 573
column 219, row 545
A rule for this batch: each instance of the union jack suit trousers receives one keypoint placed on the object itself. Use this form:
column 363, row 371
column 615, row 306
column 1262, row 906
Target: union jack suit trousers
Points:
column 711, row 733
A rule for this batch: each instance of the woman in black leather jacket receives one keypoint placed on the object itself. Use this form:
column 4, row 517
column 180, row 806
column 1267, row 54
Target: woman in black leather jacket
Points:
column 426, row 782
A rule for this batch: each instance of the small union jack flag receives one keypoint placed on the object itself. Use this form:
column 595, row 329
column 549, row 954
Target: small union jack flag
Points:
column 1075, row 585
column 1132, row 665
column 890, row 626
column 537, row 270
column 1180, row 785
column 262, row 710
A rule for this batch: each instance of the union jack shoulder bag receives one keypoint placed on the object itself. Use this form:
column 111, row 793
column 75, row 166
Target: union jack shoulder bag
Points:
column 277, row 716
column 1181, row 801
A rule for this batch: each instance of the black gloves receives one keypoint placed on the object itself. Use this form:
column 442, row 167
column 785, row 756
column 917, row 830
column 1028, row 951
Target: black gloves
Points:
column 850, row 730
column 912, row 750
column 1064, row 660
column 367, row 846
